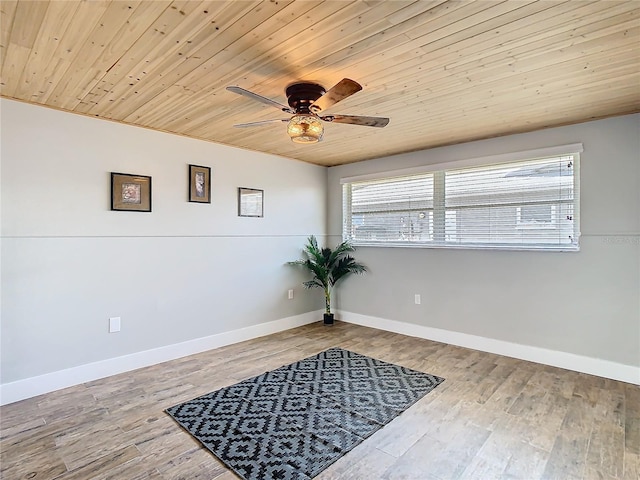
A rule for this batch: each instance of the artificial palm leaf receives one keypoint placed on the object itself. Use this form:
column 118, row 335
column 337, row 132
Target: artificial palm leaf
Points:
column 328, row 266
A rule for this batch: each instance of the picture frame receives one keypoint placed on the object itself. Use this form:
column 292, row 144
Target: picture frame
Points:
column 199, row 184
column 131, row 193
column 250, row 202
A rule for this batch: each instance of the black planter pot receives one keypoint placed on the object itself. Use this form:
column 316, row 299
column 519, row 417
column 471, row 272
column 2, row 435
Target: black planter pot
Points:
column 328, row 318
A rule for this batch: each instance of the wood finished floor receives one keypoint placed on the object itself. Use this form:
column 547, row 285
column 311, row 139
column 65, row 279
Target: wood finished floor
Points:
column 494, row 417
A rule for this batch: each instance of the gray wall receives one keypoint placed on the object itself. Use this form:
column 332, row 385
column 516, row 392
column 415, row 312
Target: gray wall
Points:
column 585, row 303
column 182, row 272
column 186, row 271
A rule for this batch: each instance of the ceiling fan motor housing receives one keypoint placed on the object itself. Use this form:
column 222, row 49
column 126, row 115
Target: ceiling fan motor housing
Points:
column 301, row 95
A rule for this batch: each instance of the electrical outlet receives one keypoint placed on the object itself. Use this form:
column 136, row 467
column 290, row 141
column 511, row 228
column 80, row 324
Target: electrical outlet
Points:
column 290, row 294
column 114, row 324
column 418, row 299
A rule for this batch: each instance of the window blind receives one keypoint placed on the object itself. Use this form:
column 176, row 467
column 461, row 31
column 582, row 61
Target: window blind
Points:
column 527, row 204
column 390, row 210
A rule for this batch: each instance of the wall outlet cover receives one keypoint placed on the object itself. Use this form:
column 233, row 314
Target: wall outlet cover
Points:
column 114, row 324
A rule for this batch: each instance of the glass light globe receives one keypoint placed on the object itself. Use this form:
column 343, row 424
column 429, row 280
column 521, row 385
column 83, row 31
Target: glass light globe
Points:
column 305, row 129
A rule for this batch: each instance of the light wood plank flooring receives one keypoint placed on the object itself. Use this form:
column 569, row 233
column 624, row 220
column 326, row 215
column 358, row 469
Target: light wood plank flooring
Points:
column 494, row 417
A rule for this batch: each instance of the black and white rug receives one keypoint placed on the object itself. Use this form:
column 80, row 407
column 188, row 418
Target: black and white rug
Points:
column 295, row 421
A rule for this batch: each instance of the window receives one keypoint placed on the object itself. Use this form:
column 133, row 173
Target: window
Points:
column 392, row 210
column 523, row 204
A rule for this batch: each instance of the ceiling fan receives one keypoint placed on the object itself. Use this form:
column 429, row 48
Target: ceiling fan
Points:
column 306, row 101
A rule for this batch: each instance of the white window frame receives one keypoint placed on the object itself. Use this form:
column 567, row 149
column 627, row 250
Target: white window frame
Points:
column 440, row 240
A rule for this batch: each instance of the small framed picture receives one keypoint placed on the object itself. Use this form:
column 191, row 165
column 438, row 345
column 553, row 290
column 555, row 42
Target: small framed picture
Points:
column 130, row 192
column 199, row 184
column 250, row 202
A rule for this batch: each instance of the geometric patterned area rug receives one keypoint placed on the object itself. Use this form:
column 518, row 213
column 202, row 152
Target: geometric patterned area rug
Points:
column 295, row 421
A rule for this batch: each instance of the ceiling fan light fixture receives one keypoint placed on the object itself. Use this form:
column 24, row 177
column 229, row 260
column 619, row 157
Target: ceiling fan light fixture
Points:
column 305, row 129
column 306, row 103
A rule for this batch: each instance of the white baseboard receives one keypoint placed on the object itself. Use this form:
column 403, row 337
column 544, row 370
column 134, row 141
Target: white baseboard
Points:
column 31, row 387
column 570, row 361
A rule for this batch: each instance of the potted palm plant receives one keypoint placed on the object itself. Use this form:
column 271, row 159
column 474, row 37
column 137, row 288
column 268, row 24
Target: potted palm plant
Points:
column 327, row 266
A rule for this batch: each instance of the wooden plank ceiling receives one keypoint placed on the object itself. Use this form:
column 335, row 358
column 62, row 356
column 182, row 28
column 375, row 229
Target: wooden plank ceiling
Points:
column 443, row 71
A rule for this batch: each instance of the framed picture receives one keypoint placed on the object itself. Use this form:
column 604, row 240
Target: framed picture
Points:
column 199, row 184
column 250, row 202
column 130, row 192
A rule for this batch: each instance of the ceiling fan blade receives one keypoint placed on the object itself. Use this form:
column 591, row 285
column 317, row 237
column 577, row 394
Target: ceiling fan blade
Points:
column 263, row 122
column 260, row 98
column 358, row 120
column 341, row 90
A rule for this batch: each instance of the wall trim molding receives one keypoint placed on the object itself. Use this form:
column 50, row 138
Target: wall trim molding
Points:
column 49, row 382
column 569, row 361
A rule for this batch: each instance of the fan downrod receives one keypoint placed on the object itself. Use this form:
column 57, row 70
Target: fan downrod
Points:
column 301, row 95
